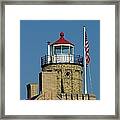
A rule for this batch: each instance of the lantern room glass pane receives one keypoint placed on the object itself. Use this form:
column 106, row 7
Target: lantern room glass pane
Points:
column 57, row 50
column 51, row 50
column 65, row 49
column 71, row 50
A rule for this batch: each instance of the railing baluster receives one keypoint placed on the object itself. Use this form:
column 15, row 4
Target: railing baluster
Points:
column 61, row 59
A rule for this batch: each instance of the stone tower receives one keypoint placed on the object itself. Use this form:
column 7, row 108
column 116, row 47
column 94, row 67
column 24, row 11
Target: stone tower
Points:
column 62, row 73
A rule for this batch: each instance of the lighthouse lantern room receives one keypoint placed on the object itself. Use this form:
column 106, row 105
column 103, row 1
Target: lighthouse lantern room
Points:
column 61, row 51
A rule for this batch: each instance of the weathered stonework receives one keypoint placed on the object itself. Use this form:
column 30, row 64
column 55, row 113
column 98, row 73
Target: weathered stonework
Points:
column 61, row 79
column 61, row 82
column 32, row 90
column 69, row 77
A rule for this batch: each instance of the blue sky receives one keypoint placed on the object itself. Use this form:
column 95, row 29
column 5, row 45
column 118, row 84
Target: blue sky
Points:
column 34, row 35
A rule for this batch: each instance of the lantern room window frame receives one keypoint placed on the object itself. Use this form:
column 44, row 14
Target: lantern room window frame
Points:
column 70, row 51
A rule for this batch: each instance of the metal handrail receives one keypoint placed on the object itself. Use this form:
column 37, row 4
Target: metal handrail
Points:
column 44, row 60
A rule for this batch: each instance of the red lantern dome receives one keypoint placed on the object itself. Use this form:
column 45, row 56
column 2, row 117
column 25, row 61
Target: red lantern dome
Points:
column 62, row 40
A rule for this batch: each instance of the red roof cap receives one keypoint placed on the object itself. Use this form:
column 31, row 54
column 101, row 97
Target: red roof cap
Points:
column 61, row 40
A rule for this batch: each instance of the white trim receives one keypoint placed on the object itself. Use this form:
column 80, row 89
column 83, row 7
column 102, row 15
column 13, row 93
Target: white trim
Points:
column 63, row 44
column 48, row 53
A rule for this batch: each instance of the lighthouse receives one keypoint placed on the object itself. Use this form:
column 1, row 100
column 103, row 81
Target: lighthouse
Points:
column 61, row 74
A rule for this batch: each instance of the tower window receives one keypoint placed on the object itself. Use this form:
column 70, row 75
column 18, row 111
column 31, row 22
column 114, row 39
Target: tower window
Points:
column 68, row 73
column 71, row 50
column 81, row 72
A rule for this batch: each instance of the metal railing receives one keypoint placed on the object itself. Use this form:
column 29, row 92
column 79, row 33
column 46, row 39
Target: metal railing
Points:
column 46, row 59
